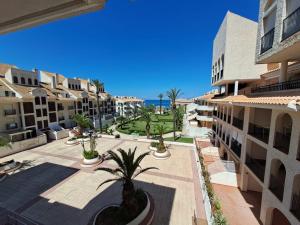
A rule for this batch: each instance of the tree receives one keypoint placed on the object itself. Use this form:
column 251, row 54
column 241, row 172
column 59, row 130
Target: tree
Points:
column 146, row 115
column 122, row 120
column 178, row 114
column 128, row 167
column 99, row 86
column 4, row 142
column 160, row 96
column 83, row 122
column 161, row 130
column 173, row 94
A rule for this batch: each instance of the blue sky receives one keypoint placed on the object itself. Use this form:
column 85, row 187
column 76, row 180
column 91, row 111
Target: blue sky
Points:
column 136, row 47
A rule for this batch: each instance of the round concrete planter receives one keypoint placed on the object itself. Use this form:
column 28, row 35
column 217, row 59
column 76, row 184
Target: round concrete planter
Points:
column 144, row 218
column 152, row 148
column 161, row 155
column 91, row 162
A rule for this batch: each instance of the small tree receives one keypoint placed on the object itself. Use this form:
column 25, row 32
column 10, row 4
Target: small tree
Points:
column 146, row 115
column 173, row 94
column 99, row 86
column 122, row 121
column 160, row 96
column 91, row 153
column 161, row 130
column 83, row 122
column 127, row 169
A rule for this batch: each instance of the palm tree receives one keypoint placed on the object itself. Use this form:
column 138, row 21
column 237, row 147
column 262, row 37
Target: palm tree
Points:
column 173, row 94
column 161, row 130
column 127, row 169
column 160, row 96
column 178, row 117
column 146, row 115
column 83, row 122
column 99, row 86
column 122, row 120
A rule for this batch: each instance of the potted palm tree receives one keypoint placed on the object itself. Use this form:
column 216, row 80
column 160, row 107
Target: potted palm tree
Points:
column 173, row 94
column 136, row 204
column 90, row 156
column 159, row 149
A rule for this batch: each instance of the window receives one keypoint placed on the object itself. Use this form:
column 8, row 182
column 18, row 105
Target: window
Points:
column 15, row 80
column 28, row 107
column 13, row 94
column 6, row 93
column 52, row 117
column 29, row 81
column 51, row 106
column 45, row 113
column 37, row 101
column 29, row 121
column 40, row 125
column 76, row 86
column 38, row 113
column 45, row 123
column 43, row 100
column 69, row 86
column 36, row 82
column 73, row 86
column 23, row 80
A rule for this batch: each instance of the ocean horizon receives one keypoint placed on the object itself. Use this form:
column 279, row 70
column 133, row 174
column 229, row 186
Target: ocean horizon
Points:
column 165, row 103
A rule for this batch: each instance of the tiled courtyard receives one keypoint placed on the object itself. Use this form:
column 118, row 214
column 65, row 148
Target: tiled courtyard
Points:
column 54, row 190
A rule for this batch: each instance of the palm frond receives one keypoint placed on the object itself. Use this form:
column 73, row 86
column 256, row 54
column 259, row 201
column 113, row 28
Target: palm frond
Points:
column 144, row 170
column 108, row 181
column 114, row 156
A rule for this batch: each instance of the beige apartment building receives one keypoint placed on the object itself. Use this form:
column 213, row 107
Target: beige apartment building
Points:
column 36, row 105
column 258, row 125
column 127, row 106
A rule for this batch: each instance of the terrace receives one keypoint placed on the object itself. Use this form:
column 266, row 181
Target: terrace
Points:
column 259, row 124
column 47, row 190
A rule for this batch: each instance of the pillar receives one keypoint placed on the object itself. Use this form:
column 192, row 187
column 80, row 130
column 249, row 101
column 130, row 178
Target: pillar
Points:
column 236, row 87
column 283, row 71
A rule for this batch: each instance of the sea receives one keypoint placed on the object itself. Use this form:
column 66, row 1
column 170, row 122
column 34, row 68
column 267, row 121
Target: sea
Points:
column 165, row 103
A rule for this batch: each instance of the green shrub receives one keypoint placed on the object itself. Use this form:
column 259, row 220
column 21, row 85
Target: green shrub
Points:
column 90, row 154
column 117, row 136
column 154, row 144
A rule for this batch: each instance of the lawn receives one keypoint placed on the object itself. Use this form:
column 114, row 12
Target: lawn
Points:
column 138, row 126
column 181, row 139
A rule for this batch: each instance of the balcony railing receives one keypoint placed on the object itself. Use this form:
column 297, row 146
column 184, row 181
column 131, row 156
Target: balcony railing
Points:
column 267, row 41
column 215, row 113
column 236, row 147
column 214, row 127
column 257, row 166
column 238, row 123
column 225, row 117
column 223, row 137
column 288, row 85
column 282, row 142
column 277, row 186
column 261, row 133
column 295, row 209
column 291, row 24
column 9, row 112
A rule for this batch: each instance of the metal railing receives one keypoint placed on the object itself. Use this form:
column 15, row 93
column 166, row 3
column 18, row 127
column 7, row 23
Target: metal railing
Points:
column 291, row 24
column 261, row 133
column 282, row 142
column 257, row 166
column 236, row 147
column 9, row 112
column 267, row 41
column 288, row 85
column 238, row 123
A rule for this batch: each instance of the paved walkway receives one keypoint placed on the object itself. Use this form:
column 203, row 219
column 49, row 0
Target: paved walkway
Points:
column 54, row 189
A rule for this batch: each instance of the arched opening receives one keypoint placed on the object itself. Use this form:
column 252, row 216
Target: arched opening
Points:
column 276, row 217
column 277, row 178
column 29, row 81
column 23, row 80
column 15, row 80
column 295, row 205
column 283, row 132
column 36, row 82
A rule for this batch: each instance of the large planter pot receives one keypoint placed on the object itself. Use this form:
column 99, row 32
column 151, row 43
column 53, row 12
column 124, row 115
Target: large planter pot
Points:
column 161, row 155
column 144, row 218
column 152, row 148
column 90, row 162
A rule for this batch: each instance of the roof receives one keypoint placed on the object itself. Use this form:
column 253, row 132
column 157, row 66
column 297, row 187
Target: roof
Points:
column 270, row 100
column 60, row 78
column 205, row 97
column 5, row 67
column 128, row 99
column 184, row 101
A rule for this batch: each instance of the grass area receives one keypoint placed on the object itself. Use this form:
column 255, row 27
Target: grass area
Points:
column 138, row 126
column 181, row 139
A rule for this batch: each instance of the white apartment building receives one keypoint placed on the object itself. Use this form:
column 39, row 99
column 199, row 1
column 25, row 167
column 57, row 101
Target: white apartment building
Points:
column 234, row 54
column 259, row 127
column 127, row 105
column 39, row 103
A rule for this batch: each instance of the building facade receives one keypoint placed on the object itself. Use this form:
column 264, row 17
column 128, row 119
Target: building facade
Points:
column 258, row 125
column 127, row 106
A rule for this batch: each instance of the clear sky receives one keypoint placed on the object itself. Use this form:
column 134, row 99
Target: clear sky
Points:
column 136, row 47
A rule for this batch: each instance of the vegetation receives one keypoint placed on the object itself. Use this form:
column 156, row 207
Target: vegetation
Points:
column 161, row 146
column 146, row 115
column 181, row 139
column 98, row 85
column 4, row 142
column 122, row 120
column 154, row 144
column 219, row 218
column 173, row 94
column 83, row 122
column 92, row 153
column 117, row 136
column 160, row 96
column 133, row 201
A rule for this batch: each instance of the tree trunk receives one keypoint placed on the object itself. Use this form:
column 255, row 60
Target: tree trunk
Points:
column 99, row 113
column 174, row 123
column 128, row 196
column 160, row 103
column 148, row 131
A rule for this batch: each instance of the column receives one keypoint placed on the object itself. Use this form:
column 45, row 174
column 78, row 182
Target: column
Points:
column 236, row 87
column 283, row 72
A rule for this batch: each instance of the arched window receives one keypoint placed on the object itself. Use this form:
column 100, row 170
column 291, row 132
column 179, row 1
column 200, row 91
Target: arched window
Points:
column 23, row 80
column 36, row 82
column 277, row 178
column 29, row 81
column 283, row 132
column 15, row 80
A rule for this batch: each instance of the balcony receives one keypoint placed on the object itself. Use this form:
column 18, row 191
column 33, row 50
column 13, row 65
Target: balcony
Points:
column 221, row 116
column 238, row 123
column 10, row 112
column 261, row 133
column 225, row 118
column 282, row 142
column 295, row 209
column 70, row 107
column 291, row 24
column 214, row 127
column 288, row 85
column 277, row 187
column 267, row 41
column 227, row 140
column 236, row 147
column 257, row 166
column 215, row 113
column 60, row 108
